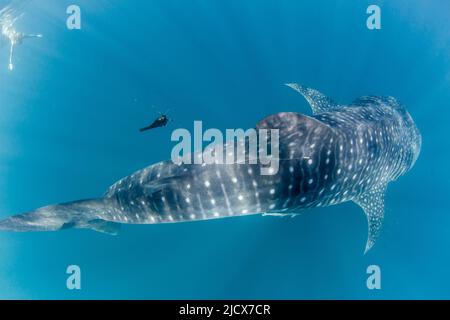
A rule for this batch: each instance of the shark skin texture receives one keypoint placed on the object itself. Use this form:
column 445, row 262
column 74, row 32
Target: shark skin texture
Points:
column 340, row 153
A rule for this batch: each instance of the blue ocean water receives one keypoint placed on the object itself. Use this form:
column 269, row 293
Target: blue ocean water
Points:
column 69, row 118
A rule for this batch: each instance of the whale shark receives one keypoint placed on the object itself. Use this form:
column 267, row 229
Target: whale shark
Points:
column 339, row 153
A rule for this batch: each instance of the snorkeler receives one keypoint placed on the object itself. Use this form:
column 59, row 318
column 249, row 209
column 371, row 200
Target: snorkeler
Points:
column 161, row 121
column 15, row 38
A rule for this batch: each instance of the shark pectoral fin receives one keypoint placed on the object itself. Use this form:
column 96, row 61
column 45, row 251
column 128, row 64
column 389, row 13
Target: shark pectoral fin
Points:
column 372, row 202
column 99, row 225
column 318, row 101
column 103, row 226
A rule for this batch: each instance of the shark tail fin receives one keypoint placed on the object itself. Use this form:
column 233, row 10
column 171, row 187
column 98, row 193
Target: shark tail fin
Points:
column 82, row 214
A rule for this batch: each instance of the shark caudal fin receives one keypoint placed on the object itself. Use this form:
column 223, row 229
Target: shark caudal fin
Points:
column 78, row 214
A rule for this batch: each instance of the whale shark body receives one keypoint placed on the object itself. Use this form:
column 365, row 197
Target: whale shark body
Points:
column 340, row 153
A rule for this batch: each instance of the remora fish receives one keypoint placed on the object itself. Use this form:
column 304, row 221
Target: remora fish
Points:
column 340, row 153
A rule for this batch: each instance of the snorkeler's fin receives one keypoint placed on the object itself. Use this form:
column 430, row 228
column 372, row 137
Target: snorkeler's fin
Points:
column 145, row 128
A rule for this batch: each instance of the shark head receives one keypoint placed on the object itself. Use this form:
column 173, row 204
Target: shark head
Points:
column 416, row 140
column 411, row 134
column 407, row 134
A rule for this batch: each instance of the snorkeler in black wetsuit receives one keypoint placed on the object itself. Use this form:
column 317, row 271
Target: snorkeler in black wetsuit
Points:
column 161, row 121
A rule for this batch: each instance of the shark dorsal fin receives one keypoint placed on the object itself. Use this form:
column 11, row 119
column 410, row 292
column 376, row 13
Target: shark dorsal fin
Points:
column 318, row 101
column 292, row 129
column 372, row 202
column 289, row 121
